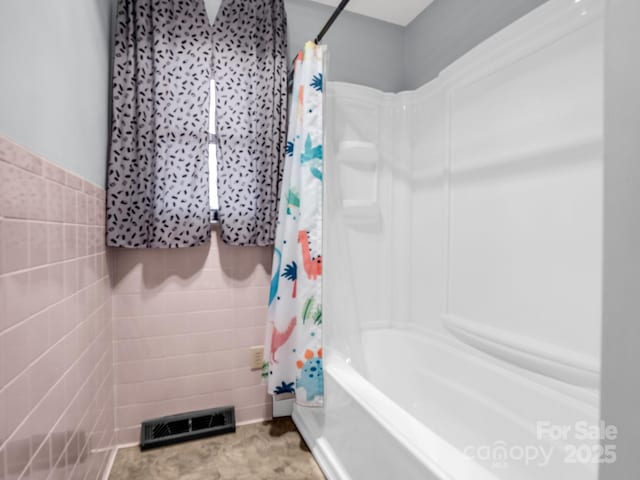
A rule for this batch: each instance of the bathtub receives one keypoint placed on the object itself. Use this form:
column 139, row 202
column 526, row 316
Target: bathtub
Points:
column 425, row 407
column 462, row 264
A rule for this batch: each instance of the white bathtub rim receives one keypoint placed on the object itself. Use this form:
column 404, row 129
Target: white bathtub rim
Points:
column 444, row 460
column 452, row 347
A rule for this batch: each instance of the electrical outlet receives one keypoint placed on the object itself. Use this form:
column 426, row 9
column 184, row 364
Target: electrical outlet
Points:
column 256, row 356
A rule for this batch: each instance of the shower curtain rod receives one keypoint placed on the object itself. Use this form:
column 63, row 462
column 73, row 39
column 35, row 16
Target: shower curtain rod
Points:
column 336, row 13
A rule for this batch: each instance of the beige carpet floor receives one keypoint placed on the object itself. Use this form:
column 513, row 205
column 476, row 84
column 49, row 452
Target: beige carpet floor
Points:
column 266, row 451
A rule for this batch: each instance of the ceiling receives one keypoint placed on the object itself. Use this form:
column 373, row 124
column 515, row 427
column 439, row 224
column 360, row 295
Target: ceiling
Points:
column 400, row 12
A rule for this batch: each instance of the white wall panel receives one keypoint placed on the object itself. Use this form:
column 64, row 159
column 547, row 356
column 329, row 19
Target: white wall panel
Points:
column 525, row 218
column 473, row 205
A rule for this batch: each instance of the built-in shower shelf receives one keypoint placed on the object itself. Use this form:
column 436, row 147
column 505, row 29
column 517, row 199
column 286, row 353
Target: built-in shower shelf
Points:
column 540, row 357
column 358, row 154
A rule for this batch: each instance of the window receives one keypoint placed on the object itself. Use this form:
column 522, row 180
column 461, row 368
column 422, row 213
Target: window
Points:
column 213, row 164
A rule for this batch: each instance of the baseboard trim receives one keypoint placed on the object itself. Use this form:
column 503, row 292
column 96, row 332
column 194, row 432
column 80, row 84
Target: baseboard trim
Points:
column 110, row 462
column 114, row 451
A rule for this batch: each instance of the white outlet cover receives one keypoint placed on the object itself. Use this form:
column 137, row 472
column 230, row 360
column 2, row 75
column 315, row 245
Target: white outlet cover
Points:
column 256, row 355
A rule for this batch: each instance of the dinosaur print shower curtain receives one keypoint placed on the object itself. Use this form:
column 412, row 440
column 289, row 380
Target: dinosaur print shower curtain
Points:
column 293, row 349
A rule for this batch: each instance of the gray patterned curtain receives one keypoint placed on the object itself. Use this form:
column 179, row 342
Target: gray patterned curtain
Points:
column 250, row 70
column 158, row 188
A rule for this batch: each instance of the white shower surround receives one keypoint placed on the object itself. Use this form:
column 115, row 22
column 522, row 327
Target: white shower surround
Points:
column 463, row 257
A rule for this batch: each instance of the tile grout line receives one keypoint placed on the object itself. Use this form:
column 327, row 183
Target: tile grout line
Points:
column 39, row 357
column 70, row 404
column 55, row 304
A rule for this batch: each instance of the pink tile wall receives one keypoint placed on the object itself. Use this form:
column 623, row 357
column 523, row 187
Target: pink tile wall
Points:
column 183, row 323
column 56, row 356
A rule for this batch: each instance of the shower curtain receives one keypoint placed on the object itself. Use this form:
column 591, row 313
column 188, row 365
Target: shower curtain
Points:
column 293, row 347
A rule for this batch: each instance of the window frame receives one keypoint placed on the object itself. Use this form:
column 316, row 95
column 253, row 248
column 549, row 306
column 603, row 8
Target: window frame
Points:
column 213, row 140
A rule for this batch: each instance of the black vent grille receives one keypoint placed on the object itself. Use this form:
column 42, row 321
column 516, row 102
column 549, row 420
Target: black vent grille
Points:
column 187, row 426
column 208, row 421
